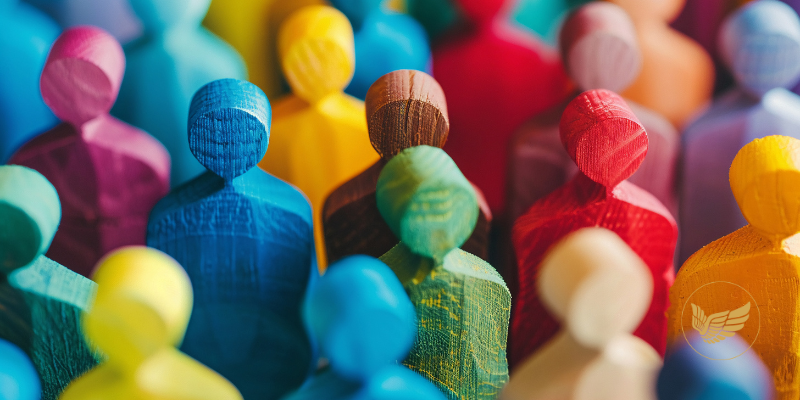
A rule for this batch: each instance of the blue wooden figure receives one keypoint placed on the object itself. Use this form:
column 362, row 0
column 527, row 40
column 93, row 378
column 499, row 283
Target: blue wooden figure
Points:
column 174, row 58
column 246, row 240
column 385, row 41
column 114, row 16
column 18, row 378
column 25, row 38
column 363, row 322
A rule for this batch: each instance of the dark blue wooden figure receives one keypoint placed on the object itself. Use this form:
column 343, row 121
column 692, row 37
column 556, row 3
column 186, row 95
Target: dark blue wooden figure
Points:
column 246, row 240
column 18, row 378
column 385, row 41
column 25, row 38
column 174, row 58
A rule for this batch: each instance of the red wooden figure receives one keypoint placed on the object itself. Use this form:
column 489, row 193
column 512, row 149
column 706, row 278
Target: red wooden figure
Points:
column 608, row 143
column 108, row 174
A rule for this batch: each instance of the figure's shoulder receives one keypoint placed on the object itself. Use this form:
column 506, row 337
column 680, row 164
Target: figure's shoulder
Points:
column 274, row 192
column 740, row 245
column 61, row 136
column 49, row 279
column 567, row 201
column 356, row 189
column 346, row 110
column 191, row 193
column 459, row 261
column 639, row 198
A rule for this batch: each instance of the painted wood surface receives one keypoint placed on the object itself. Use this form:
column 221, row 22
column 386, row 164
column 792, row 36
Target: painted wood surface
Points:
column 40, row 300
column 462, row 303
column 137, row 321
column 19, row 377
column 113, row 16
column 599, row 289
column 174, row 58
column 762, row 45
column 25, row 38
column 608, row 143
column 404, row 108
column 319, row 138
column 754, row 264
column 108, row 174
column 251, row 268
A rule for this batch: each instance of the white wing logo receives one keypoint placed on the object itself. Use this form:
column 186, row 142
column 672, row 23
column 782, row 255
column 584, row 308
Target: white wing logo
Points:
column 720, row 326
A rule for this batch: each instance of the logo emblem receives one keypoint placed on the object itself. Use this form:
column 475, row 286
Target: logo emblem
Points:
column 720, row 326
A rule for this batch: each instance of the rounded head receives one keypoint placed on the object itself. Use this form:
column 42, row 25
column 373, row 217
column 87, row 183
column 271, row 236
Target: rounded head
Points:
column 360, row 316
column 765, row 179
column 29, row 216
column 599, row 47
column 482, row 11
column 603, row 137
column 18, row 377
column 229, row 123
column 143, row 303
column 664, row 10
column 357, row 10
column 397, row 382
column 406, row 108
column 160, row 15
column 596, row 285
column 317, row 52
column 760, row 44
column 427, row 201
column 83, row 74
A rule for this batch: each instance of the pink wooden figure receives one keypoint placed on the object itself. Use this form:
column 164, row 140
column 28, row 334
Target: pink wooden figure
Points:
column 108, row 174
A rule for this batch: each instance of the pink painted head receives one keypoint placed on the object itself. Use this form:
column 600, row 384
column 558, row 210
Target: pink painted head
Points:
column 603, row 137
column 83, row 74
column 482, row 10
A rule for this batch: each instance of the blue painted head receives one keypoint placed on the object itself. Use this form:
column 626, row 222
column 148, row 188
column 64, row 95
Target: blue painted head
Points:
column 18, row 378
column 229, row 123
column 357, row 10
column 160, row 15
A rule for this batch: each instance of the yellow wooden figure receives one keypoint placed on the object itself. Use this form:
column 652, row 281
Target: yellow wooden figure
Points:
column 747, row 283
column 319, row 134
column 140, row 313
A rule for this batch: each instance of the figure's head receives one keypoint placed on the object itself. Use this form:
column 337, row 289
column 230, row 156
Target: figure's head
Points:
column 599, row 47
column 765, row 179
column 161, row 15
column 83, row 74
column 427, row 201
column 357, row 10
column 29, row 216
column 664, row 10
column 19, row 378
column 603, row 137
column 229, row 123
column 760, row 44
column 317, row 52
column 406, row 108
column 482, row 11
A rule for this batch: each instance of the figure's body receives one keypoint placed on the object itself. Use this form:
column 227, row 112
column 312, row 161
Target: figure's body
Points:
column 462, row 302
column 404, row 109
column 246, row 241
column 113, row 16
column 108, row 174
column 319, row 137
column 174, row 58
column 758, row 107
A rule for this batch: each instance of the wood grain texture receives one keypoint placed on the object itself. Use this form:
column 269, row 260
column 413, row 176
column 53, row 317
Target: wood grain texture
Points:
column 108, row 174
column 172, row 60
column 404, row 109
column 19, row 377
column 245, row 238
column 608, row 144
column 136, row 321
column 762, row 258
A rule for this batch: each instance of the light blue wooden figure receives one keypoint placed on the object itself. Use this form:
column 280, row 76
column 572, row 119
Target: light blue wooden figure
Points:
column 761, row 45
column 18, row 378
column 25, row 38
column 363, row 322
column 175, row 57
column 114, row 16
column 385, row 41
column 246, row 240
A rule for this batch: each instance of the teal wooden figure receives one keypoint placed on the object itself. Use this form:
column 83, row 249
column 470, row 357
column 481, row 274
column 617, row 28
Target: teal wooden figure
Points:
column 25, row 38
column 385, row 41
column 18, row 378
column 246, row 240
column 174, row 58
column 544, row 17
column 40, row 300
column 462, row 303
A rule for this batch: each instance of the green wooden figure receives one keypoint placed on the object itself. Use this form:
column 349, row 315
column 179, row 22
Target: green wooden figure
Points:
column 40, row 300
column 462, row 303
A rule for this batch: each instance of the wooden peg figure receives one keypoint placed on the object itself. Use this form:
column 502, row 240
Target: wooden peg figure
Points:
column 19, row 379
column 108, row 174
column 608, row 143
column 25, row 37
column 319, row 139
column 758, row 265
column 137, row 321
column 599, row 289
column 758, row 107
column 40, row 301
column 404, row 108
column 677, row 77
column 462, row 302
column 172, row 60
column 246, row 240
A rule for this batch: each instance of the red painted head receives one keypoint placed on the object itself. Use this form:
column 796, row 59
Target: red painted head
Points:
column 481, row 10
column 603, row 136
